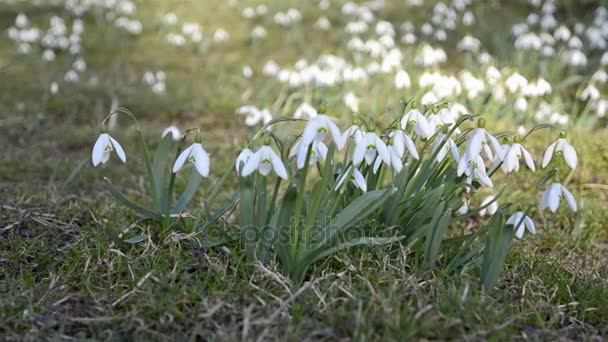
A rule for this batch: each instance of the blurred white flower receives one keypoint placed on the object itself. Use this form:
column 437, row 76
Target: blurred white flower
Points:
column 174, row 131
column 402, row 80
column 490, row 209
column 552, row 197
column 520, row 223
column 561, row 146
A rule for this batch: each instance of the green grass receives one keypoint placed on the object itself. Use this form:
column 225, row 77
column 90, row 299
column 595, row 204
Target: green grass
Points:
column 61, row 277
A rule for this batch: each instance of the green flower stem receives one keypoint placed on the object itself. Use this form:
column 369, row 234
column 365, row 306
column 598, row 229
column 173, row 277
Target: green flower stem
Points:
column 295, row 232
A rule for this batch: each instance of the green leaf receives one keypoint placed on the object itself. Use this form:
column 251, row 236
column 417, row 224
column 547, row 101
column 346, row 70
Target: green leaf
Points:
column 247, row 215
column 356, row 211
column 124, row 201
column 214, row 242
column 363, row 241
column 282, row 227
column 159, row 166
column 137, row 239
column 186, row 197
column 436, row 231
column 220, row 212
column 495, row 252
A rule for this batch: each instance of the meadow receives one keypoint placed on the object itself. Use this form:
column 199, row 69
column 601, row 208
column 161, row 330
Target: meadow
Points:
column 425, row 248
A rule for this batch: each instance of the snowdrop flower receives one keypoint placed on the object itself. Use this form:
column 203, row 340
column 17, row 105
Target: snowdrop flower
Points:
column 512, row 157
column 575, row 58
column 553, row 196
column 354, row 132
column 561, row 145
column 174, row 131
column 449, row 146
column 318, row 151
column 469, row 44
column 352, row 102
column 254, row 116
column 476, row 171
column 247, row 71
column 368, row 148
column 196, row 155
column 490, row 209
column 464, row 208
column 515, row 82
column 600, row 76
column 520, row 223
column 601, row 107
column 305, row 111
column 21, row 21
column 480, row 140
column 590, row 93
column 395, row 160
column 220, row 35
column 322, row 23
column 521, row 105
column 402, row 80
column 242, row 159
column 356, row 178
column 104, row 145
column 317, row 129
column 402, row 143
column 54, row 88
column 422, row 127
column 264, row 160
column 259, row 32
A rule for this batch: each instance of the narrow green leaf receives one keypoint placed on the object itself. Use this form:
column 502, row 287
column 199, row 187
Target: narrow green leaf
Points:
column 124, row 201
column 188, row 194
column 495, row 253
column 136, row 240
column 356, row 211
column 436, row 231
column 159, row 169
column 363, row 241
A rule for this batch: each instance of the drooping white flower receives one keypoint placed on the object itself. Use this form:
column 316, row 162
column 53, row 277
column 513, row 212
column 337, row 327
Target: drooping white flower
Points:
column 561, row 145
column 352, row 102
column 318, row 151
column 196, row 155
column 464, row 208
column 368, row 148
column 520, row 223
column 242, row 159
column 354, row 132
column 305, row 111
column 490, row 209
column 355, row 177
column 512, row 157
column 254, row 116
column 402, row 143
column 422, row 127
column 265, row 160
column 402, row 80
column 104, row 145
column 315, row 132
column 479, row 141
column 552, row 197
column 475, row 170
column 174, row 131
column 448, row 146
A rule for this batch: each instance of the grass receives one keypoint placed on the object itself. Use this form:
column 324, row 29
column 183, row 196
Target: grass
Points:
column 61, row 277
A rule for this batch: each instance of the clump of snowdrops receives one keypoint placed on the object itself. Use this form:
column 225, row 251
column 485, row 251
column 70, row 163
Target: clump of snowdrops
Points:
column 303, row 198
